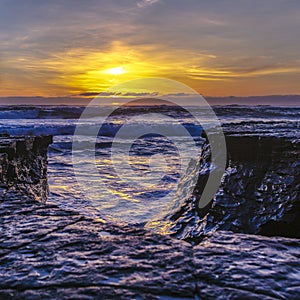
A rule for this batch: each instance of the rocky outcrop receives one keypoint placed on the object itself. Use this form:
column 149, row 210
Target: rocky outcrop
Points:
column 50, row 253
column 23, row 166
column 259, row 192
column 261, row 184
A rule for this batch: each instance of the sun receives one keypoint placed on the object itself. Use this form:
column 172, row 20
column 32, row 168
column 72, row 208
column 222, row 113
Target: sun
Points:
column 116, row 71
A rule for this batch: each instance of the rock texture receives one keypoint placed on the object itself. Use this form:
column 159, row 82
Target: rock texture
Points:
column 261, row 184
column 240, row 266
column 259, row 192
column 23, row 166
column 50, row 253
column 47, row 252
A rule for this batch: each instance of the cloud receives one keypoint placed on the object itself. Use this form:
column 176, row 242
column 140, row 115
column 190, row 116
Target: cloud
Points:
column 179, row 95
column 140, row 94
column 145, row 3
column 110, row 94
column 89, row 94
column 132, row 94
column 62, row 47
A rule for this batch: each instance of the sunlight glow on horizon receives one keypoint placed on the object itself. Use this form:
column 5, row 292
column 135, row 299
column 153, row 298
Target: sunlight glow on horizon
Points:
column 224, row 49
column 116, row 71
column 78, row 71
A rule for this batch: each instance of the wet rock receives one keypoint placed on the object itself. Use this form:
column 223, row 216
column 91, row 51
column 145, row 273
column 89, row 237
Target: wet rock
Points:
column 261, row 184
column 239, row 266
column 259, row 192
column 23, row 165
column 44, row 248
column 47, row 252
column 50, row 253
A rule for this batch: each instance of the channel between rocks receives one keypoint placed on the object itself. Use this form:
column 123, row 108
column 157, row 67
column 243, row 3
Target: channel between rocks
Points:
column 48, row 252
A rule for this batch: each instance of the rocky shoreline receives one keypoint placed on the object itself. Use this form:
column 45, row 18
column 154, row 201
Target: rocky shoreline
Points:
column 47, row 252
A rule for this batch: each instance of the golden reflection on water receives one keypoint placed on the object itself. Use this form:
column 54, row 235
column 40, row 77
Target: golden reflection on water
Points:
column 99, row 220
column 123, row 195
column 161, row 227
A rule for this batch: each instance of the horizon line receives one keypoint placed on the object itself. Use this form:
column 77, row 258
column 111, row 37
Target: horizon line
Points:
column 150, row 95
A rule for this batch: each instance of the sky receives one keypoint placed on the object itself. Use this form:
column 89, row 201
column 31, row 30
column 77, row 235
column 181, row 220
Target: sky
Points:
column 75, row 48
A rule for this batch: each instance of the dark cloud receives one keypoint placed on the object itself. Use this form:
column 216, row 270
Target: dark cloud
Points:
column 89, row 94
column 108, row 94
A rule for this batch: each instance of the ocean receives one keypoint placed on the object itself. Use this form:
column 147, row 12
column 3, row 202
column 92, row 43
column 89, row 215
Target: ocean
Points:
column 153, row 160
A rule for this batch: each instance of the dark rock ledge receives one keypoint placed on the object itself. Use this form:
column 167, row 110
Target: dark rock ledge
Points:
column 23, row 166
column 50, row 253
column 259, row 192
